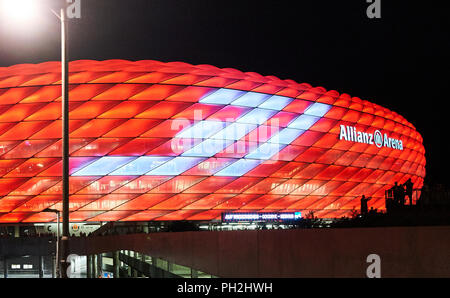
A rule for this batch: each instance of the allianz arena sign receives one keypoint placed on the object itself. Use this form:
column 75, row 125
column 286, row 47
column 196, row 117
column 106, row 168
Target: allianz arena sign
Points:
column 350, row 133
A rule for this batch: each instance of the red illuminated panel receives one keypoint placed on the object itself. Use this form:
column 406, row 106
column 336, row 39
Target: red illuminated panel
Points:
column 76, row 183
column 75, row 164
column 86, row 92
column 55, row 150
column 32, row 167
column 177, row 184
column 91, row 109
column 106, row 184
column 127, row 109
column 23, row 130
column 163, row 110
column 34, row 186
column 38, row 203
column 142, row 184
column 210, row 184
column 144, row 202
column 100, row 147
column 109, row 202
column 209, row 201
column 112, row 216
column 77, row 201
column 262, row 202
column 96, row 128
column 120, row 92
column 138, row 146
column 206, row 215
column 168, row 128
column 132, row 128
column 54, row 129
column 14, row 95
column 146, row 215
column 19, row 112
column 178, row 201
column 156, row 92
column 13, row 217
column 9, row 203
column 28, row 148
column 197, row 112
column 190, row 94
column 178, row 215
column 237, row 202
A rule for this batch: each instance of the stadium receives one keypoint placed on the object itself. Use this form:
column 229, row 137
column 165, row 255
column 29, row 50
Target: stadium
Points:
column 154, row 141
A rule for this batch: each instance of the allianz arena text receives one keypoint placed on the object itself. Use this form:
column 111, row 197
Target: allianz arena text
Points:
column 173, row 141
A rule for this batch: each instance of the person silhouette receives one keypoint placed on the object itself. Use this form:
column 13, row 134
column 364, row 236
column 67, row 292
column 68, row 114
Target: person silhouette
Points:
column 409, row 190
column 364, row 208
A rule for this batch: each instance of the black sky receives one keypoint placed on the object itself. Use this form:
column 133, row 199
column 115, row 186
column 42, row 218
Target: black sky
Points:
column 399, row 61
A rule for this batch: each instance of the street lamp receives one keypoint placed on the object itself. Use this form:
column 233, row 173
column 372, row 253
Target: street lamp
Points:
column 57, row 238
column 22, row 11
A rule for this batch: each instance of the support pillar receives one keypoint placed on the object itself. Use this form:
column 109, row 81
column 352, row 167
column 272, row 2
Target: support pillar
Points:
column 99, row 265
column 94, row 265
column 89, row 266
column 16, row 231
column 194, row 273
column 5, row 267
column 41, row 266
column 116, row 264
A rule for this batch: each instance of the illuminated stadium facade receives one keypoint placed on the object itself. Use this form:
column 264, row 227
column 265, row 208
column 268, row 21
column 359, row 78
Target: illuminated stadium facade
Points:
column 172, row 141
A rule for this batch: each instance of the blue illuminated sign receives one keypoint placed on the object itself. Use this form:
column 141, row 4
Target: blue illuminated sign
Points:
column 264, row 216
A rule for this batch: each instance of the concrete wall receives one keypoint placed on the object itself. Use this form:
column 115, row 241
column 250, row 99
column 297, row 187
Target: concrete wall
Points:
column 404, row 251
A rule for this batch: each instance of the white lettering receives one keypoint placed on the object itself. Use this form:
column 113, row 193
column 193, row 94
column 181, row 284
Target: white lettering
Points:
column 350, row 133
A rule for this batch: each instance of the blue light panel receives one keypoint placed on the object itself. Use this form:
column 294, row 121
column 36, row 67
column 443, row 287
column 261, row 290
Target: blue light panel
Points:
column 234, row 131
column 257, row 116
column 251, row 99
column 303, row 122
column 208, row 148
column 286, row 136
column 141, row 165
column 202, row 130
column 176, row 166
column 239, row 168
column 222, row 96
column 276, row 102
column 318, row 109
column 104, row 166
column 265, row 151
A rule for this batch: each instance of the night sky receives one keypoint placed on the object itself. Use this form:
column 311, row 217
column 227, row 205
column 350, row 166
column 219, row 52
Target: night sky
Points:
column 399, row 61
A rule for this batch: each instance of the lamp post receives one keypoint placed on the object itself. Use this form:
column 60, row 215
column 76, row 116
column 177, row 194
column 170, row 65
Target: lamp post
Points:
column 65, row 143
column 22, row 11
column 57, row 238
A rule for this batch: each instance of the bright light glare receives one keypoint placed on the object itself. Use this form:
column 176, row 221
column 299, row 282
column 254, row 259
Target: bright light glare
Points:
column 20, row 11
